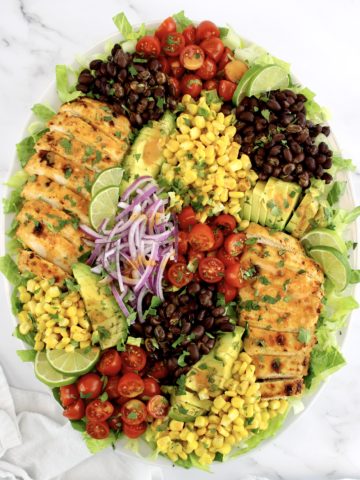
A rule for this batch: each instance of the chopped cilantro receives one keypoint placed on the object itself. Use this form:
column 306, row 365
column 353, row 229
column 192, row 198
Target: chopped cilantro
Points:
column 304, row 335
column 181, row 359
column 264, row 280
column 66, row 145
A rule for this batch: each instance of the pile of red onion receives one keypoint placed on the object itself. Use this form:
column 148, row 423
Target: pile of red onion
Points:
column 133, row 253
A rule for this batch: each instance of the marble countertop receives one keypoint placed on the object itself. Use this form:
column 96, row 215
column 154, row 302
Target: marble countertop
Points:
column 322, row 40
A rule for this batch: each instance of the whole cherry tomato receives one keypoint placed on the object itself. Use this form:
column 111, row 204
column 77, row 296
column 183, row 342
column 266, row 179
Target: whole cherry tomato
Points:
column 134, row 431
column 234, row 244
column 176, row 69
column 233, row 276
column 192, row 57
column 211, row 85
column 191, row 85
column 226, row 57
column 226, row 221
column 148, row 46
column 174, row 86
column 226, row 90
column 68, row 395
column 98, row 430
column 172, row 44
column 110, row 362
column 178, row 275
column 227, row 290
column 202, row 237
column 186, row 218
column 213, row 47
column 75, row 411
column 164, row 64
column 207, row 70
column 206, row 29
column 130, row 385
column 98, row 411
column 89, row 386
column 211, row 270
column 167, row 26
column 189, row 34
column 183, row 242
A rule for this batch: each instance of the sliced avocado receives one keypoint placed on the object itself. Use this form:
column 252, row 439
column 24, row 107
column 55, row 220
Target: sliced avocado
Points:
column 324, row 215
column 104, row 313
column 228, row 346
column 280, row 199
column 184, row 412
column 256, row 201
column 145, row 156
column 303, row 216
column 191, row 399
column 246, row 208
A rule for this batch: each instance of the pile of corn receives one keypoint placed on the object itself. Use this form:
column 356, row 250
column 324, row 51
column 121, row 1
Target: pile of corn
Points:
column 58, row 318
column 234, row 416
column 202, row 158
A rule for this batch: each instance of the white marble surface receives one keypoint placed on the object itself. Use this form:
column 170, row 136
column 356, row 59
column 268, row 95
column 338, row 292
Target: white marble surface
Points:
column 321, row 38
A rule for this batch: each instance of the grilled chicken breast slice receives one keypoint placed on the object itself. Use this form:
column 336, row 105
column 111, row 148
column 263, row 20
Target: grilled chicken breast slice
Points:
column 101, row 116
column 274, row 238
column 28, row 261
column 274, row 389
column 76, row 178
column 58, row 196
column 281, row 366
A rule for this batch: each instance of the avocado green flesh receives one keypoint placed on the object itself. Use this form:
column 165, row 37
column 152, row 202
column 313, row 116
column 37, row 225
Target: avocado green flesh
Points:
column 280, row 199
column 246, row 208
column 257, row 201
column 101, row 307
column 303, row 216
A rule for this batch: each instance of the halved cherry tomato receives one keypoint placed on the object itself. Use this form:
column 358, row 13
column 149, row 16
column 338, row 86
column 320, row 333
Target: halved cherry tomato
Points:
column 234, row 244
column 201, row 237
column 167, row 26
column 121, row 400
column 151, row 388
column 208, row 69
column 211, row 270
column 226, row 258
column 211, row 85
column 226, row 57
column 192, row 57
column 173, row 43
column 98, row 411
column 233, row 276
column 148, row 46
column 133, row 359
column 176, row 69
column 191, row 85
column 219, row 238
column 75, row 411
column 174, row 86
column 180, row 259
column 226, row 90
column 68, row 395
column 229, row 292
column 158, row 406
column 195, row 255
column 183, row 242
column 133, row 412
column 134, row 431
column 164, row 64
column 226, row 221
column 130, row 385
column 89, row 386
column 186, row 218
column 179, row 275
column 213, row 47
column 115, row 420
column 110, row 362
column 206, row 29
column 189, row 34
column 112, row 386
column 159, row 370
column 235, row 70
column 98, row 430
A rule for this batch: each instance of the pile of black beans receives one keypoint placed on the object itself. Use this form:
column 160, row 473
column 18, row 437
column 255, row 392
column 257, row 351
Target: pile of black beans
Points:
column 134, row 85
column 183, row 323
column 280, row 141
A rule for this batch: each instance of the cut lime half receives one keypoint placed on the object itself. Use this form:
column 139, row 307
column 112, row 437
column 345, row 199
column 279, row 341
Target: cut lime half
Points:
column 335, row 265
column 48, row 375
column 77, row 363
column 103, row 206
column 269, row 78
column 111, row 177
column 323, row 237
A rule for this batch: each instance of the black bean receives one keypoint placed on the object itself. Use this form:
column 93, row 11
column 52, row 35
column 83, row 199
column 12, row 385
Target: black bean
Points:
column 159, row 333
column 321, row 158
column 208, row 322
column 197, row 332
column 326, row 177
column 137, row 329
column 185, row 328
column 204, row 349
column 274, row 105
column 205, row 300
column 149, row 345
column 194, row 352
column 285, row 119
column 273, row 161
column 193, row 288
column 148, row 330
column 95, row 64
column 201, row 315
column 184, row 299
column 246, row 117
column 326, row 130
column 276, row 172
column 218, row 311
column 287, row 154
column 122, row 75
column 154, row 320
column 82, row 88
column 154, row 65
column 299, row 158
column 121, row 59
column 288, row 169
column 160, row 77
column 327, row 164
column 86, row 78
column 170, row 309
column 319, row 171
column 118, row 90
column 323, row 148
column 228, row 327
column 267, row 169
column 304, row 180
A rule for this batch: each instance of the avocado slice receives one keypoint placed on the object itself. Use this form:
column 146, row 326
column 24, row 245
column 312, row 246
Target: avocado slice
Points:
column 101, row 307
column 280, row 199
column 228, row 347
column 246, row 207
column 185, row 412
column 324, row 215
column 145, row 156
column 257, row 200
column 303, row 216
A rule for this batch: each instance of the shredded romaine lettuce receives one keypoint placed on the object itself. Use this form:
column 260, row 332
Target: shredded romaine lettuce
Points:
column 18, row 179
column 65, row 91
column 343, row 218
column 314, row 111
column 230, row 38
column 26, row 355
column 126, row 29
column 336, row 191
column 25, row 149
column 256, row 55
column 43, row 112
column 182, row 21
column 29, row 338
column 339, row 163
column 96, row 446
column 10, row 270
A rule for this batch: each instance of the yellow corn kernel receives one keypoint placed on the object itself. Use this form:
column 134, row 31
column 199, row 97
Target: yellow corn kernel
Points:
column 230, row 183
column 223, row 431
column 199, row 121
column 206, row 458
column 237, row 402
column 192, row 108
column 48, row 308
column 249, row 411
column 234, row 166
column 71, row 311
column 63, row 322
column 53, row 292
column 163, row 443
column 225, row 420
column 201, row 421
column 252, row 390
column 39, row 345
column 23, row 317
column 219, row 402
column 214, row 419
column 50, row 323
column 245, row 161
column 275, row 404
column 189, row 177
column 51, row 341
column 218, row 441
column 213, row 168
column 187, row 145
column 234, row 151
column 191, row 446
column 201, row 431
column 61, row 331
column 194, row 133
column 229, row 119
column 31, row 285
column 25, row 328
column 233, row 413
column 283, row 406
column 39, row 309
column 176, row 426
column 66, row 303
column 24, row 297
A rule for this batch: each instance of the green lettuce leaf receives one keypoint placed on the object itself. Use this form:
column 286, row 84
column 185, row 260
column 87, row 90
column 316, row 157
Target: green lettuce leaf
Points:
column 26, row 355
column 230, row 38
column 96, row 446
column 25, row 149
column 43, row 112
column 182, row 21
column 10, row 270
column 18, row 179
column 336, row 191
column 29, row 338
column 340, row 163
column 323, row 362
column 314, row 111
column 14, row 201
column 343, row 218
column 256, row 55
column 355, row 276
column 126, row 29
column 65, row 91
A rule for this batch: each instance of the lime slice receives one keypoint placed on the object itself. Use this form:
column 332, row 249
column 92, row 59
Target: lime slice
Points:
column 48, row 375
column 78, row 362
column 241, row 88
column 269, row 78
column 335, row 265
column 111, row 177
column 323, row 237
column 103, row 206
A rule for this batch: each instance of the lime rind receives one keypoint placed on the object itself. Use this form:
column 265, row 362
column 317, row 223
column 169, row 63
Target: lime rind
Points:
column 48, row 375
column 103, row 206
column 269, row 78
column 78, row 362
column 323, row 237
column 110, row 177
column 334, row 264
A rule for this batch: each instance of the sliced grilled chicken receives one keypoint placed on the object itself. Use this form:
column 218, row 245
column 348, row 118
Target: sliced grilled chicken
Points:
column 100, row 115
column 273, row 389
column 76, row 178
column 274, row 238
column 28, row 261
column 57, row 196
column 281, row 366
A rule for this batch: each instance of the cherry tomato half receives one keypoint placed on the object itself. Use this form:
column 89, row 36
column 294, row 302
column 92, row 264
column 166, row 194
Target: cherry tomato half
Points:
column 98, row 430
column 174, row 86
column 112, row 386
column 207, row 70
column 226, row 258
column 211, row 85
column 226, row 221
column 167, row 26
column 186, row 218
column 115, row 420
column 213, row 47
column 151, row 388
column 192, row 57
column 226, row 57
column 130, row 385
column 98, row 411
column 164, row 64
column 133, row 412
column 189, row 34
column 110, row 362
column 89, row 386
column 234, row 244
column 226, row 90
column 211, row 270
column 134, row 431
column 176, row 69
column 173, row 43
column 191, row 85
column 68, row 395
column 75, row 411
column 201, row 237
column 158, row 406
column 148, row 46
column 133, row 359
column 233, row 276
column 121, row 400
column 219, row 238
column 159, row 370
column 179, row 275
column 229, row 292
column 195, row 255
column 183, row 242
column 206, row 29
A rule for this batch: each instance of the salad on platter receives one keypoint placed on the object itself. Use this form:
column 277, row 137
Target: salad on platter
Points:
column 179, row 260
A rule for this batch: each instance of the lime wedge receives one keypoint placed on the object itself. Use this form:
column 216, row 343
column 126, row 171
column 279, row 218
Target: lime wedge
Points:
column 77, row 363
column 48, row 375
column 334, row 264
column 241, row 88
column 323, row 237
column 111, row 177
column 269, row 78
column 103, row 206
